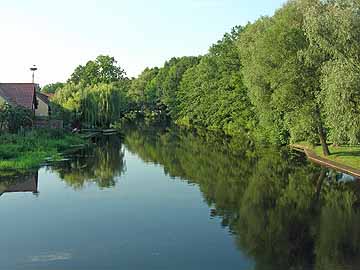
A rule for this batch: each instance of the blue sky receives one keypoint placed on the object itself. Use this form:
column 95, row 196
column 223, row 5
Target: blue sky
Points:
column 59, row 35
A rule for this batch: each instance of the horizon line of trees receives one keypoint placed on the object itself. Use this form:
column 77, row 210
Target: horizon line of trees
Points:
column 293, row 76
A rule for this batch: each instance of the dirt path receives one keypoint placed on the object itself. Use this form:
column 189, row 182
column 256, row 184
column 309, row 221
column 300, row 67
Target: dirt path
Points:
column 311, row 155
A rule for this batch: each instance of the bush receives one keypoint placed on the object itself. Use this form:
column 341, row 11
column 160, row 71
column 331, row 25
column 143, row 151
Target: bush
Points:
column 13, row 118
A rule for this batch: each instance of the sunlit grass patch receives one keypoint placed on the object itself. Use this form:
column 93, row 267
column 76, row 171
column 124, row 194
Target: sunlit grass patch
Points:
column 29, row 150
column 347, row 155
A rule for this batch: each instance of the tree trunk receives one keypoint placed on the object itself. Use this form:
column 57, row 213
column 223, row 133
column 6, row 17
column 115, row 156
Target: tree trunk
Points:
column 320, row 182
column 322, row 137
column 322, row 134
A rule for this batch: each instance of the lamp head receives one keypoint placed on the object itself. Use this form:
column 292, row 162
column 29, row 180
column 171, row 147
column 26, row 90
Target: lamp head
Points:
column 33, row 68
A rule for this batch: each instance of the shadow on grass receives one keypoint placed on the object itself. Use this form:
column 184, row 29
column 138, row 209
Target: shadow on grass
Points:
column 346, row 154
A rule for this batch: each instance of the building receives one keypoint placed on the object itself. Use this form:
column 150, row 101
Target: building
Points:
column 26, row 96
column 19, row 94
column 43, row 105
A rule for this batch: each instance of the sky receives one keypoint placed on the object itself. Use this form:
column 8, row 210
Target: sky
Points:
column 59, row 35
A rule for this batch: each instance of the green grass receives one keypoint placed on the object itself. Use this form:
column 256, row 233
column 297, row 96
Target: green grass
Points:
column 346, row 155
column 28, row 150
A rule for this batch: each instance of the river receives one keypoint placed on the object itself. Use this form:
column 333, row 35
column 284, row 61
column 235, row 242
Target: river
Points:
column 170, row 199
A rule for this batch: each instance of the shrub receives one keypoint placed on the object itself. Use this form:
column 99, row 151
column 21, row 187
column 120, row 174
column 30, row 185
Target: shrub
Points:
column 13, row 118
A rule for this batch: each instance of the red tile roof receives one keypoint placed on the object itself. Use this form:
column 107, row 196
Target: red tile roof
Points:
column 44, row 97
column 49, row 95
column 21, row 94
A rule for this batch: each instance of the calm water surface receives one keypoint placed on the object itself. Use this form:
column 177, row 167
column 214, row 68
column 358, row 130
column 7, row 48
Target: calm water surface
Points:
column 166, row 199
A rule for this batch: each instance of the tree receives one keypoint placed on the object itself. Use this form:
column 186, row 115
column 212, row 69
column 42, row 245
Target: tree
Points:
column 283, row 87
column 333, row 29
column 52, row 87
column 212, row 94
column 103, row 69
column 142, row 90
column 12, row 118
column 97, row 105
column 103, row 104
column 155, row 90
column 169, row 79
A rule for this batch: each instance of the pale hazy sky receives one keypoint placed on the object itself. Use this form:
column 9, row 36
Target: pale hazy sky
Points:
column 58, row 35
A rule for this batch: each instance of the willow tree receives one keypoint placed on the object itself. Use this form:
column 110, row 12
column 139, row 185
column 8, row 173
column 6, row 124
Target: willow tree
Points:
column 282, row 87
column 68, row 99
column 95, row 94
column 103, row 104
column 333, row 28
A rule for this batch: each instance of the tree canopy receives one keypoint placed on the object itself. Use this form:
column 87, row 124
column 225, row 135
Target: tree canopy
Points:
column 52, row 87
column 290, row 77
column 104, row 69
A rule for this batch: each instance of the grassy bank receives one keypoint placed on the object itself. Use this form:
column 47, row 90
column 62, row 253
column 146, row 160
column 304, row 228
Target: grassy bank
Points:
column 346, row 155
column 30, row 149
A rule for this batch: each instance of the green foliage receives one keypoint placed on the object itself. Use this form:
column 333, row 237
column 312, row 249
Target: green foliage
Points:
column 96, row 94
column 97, row 105
column 169, row 79
column 12, row 118
column 69, row 97
column 282, row 88
column 102, row 164
column 103, row 69
column 294, row 76
column 143, row 91
column 155, row 91
column 347, row 155
column 341, row 99
column 29, row 150
column 333, row 28
column 212, row 94
column 103, row 104
column 52, row 87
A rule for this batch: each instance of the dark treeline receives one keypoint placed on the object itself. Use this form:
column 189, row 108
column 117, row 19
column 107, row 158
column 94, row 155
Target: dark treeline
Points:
column 294, row 76
column 283, row 212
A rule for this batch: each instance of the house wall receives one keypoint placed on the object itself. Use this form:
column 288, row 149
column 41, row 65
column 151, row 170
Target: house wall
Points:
column 42, row 109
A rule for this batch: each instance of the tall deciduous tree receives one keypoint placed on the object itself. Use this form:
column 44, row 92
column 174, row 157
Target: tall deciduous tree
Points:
column 143, row 91
column 104, row 69
column 282, row 87
column 333, row 29
column 52, row 87
column 212, row 93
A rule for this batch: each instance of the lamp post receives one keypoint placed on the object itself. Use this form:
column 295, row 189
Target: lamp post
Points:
column 33, row 69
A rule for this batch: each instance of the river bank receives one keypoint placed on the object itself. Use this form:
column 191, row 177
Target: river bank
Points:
column 30, row 149
column 345, row 159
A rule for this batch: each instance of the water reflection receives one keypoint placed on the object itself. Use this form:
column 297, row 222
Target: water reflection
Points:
column 19, row 183
column 102, row 164
column 284, row 212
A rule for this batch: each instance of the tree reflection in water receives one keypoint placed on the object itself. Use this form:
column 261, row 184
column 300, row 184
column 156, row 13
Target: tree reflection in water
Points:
column 284, row 212
column 102, row 164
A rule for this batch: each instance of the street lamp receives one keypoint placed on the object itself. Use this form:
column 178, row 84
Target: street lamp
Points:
column 33, row 69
